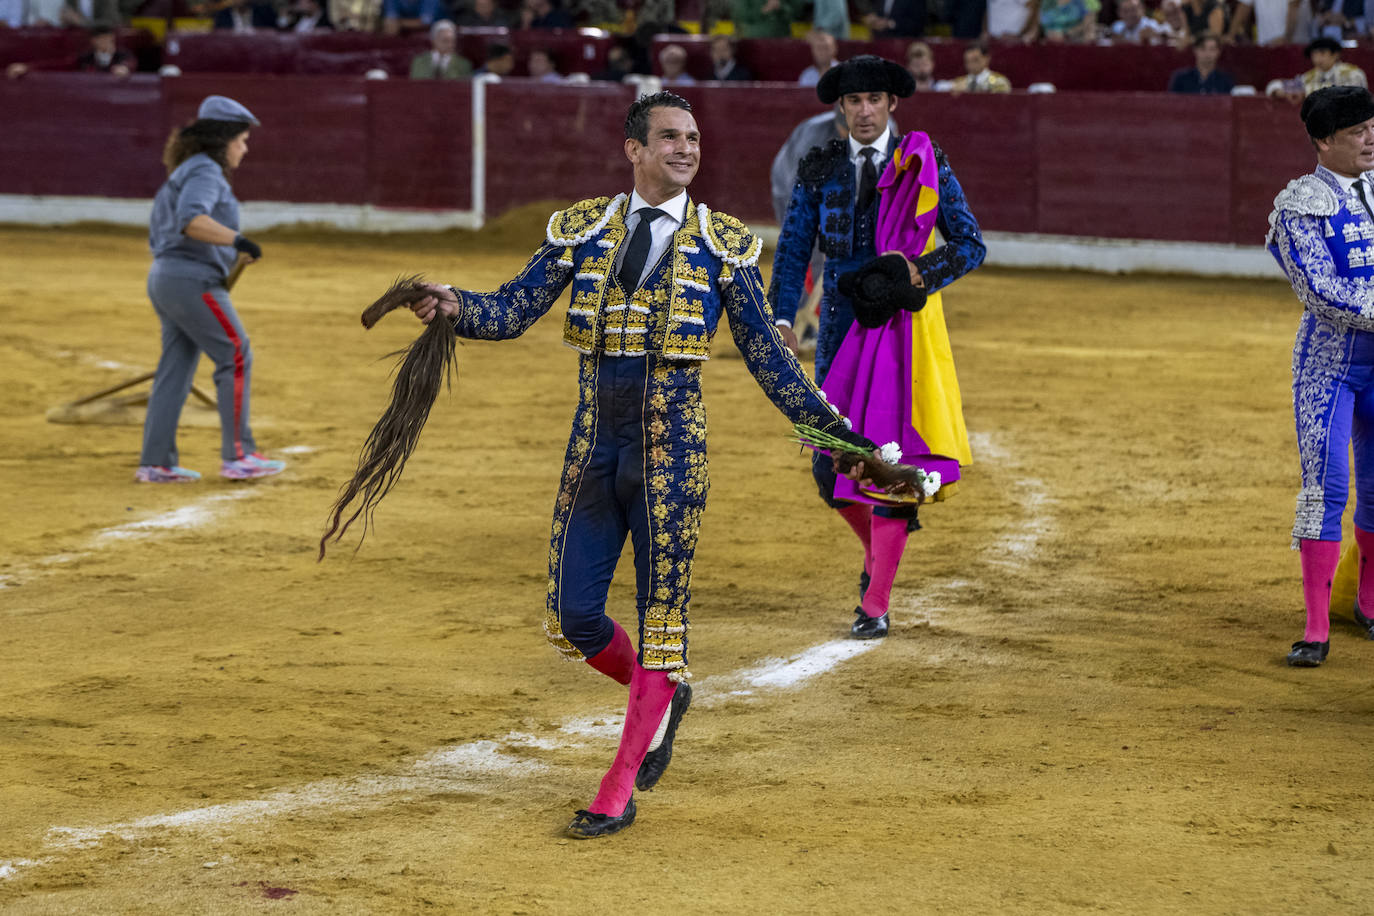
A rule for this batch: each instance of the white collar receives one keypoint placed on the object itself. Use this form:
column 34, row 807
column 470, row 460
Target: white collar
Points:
column 674, row 207
column 1346, row 183
column 879, row 144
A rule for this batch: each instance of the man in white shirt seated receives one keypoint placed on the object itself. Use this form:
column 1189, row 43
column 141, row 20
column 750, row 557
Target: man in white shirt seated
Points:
column 1134, row 27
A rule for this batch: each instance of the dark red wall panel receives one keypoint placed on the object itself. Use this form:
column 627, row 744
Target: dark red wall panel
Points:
column 1149, row 166
column 81, row 134
column 1269, row 148
column 419, row 138
column 1139, row 166
column 555, row 142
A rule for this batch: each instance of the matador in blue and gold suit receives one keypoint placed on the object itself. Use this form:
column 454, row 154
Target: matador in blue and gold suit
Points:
column 1322, row 234
column 636, row 459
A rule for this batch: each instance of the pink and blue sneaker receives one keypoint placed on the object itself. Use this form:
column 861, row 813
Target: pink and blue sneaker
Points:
column 250, row 467
column 152, row 473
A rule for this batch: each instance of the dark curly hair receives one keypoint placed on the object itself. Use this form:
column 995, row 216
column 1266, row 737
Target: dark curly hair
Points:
column 205, row 135
column 637, row 118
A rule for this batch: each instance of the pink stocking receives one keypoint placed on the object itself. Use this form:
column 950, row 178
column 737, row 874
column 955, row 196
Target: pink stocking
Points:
column 1365, row 595
column 889, row 540
column 1319, row 561
column 650, row 694
column 617, row 660
column 859, row 516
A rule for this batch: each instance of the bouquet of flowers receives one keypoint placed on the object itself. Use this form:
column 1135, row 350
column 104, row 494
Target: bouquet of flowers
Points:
column 881, row 475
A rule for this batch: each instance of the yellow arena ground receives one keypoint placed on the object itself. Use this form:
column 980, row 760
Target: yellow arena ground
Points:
column 1083, row 705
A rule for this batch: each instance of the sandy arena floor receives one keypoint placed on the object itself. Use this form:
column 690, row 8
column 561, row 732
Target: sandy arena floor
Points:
column 1083, row 704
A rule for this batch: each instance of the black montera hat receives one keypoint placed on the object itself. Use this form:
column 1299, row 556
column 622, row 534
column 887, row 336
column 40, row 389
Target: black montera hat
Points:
column 880, row 288
column 865, row 73
column 1321, row 44
column 1335, row 108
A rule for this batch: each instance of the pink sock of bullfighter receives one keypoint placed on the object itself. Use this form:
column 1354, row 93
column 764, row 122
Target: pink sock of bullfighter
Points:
column 1365, row 596
column 859, row 516
column 889, row 542
column 1319, row 561
column 650, row 694
column 617, row 660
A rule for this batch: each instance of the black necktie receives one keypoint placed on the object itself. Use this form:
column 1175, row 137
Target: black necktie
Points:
column 1359, row 189
column 637, row 252
column 868, row 178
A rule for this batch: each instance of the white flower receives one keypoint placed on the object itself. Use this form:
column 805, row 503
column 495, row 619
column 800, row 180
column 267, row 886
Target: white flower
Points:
column 930, row 483
column 891, row 453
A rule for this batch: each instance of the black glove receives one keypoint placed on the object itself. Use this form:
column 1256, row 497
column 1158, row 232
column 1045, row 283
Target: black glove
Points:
column 248, row 247
column 879, row 288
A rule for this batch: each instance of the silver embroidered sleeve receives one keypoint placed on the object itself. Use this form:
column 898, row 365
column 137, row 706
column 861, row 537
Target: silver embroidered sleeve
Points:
column 511, row 310
column 1345, row 301
column 769, row 360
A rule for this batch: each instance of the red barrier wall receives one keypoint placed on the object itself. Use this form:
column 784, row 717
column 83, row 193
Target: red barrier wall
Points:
column 1147, row 165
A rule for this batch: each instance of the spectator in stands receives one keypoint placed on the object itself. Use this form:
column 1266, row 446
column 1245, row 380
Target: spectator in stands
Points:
column 542, row 67
column 89, row 14
column 102, row 56
column 483, row 14
column 1277, row 22
column 724, row 67
column 304, row 16
column 1327, row 70
column 1011, row 20
column 1204, row 78
column 1134, row 26
column 619, row 65
column 978, row 77
column 967, row 18
column 764, row 18
column 410, row 15
column 355, row 15
column 1205, row 17
column 920, row 63
column 832, row 17
column 1173, row 24
column 822, row 57
column 245, row 16
column 1067, row 20
column 1341, row 20
column 544, row 14
column 500, row 60
column 442, row 61
column 672, row 60
column 896, row 18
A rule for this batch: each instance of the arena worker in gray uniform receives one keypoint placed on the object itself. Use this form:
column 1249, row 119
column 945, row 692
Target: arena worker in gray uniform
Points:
column 195, row 241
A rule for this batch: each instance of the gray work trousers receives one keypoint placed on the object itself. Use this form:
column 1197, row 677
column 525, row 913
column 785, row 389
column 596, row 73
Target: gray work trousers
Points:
column 196, row 316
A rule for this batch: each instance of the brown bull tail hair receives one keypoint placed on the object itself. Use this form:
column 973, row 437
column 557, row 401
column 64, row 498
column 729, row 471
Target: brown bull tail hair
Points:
column 424, row 367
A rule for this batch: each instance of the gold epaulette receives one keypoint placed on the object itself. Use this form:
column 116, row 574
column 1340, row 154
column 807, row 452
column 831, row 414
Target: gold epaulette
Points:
column 728, row 238
column 582, row 220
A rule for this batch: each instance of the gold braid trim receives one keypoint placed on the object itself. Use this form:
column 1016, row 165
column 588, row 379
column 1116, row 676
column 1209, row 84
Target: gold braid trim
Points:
column 730, row 240
column 582, row 220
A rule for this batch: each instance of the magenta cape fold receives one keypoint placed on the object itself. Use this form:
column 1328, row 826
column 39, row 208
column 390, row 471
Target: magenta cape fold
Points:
column 874, row 376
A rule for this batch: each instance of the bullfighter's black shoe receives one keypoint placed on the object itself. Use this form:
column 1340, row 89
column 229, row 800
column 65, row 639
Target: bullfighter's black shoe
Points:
column 586, row 826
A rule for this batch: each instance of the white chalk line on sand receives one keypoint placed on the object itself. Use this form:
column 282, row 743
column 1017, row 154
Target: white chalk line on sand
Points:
column 477, row 763
column 184, row 518
column 462, row 766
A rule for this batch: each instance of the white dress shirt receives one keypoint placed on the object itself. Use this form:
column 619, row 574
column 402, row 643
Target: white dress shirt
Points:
column 1348, row 186
column 661, row 230
column 879, row 161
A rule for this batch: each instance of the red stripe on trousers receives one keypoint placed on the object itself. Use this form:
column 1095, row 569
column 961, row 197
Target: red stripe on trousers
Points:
column 228, row 326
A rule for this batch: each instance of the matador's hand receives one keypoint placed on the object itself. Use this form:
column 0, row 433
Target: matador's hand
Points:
column 442, row 301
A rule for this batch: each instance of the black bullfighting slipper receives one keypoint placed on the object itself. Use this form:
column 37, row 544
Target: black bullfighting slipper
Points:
column 1364, row 621
column 1307, row 654
column 587, row 826
column 661, row 748
column 866, row 627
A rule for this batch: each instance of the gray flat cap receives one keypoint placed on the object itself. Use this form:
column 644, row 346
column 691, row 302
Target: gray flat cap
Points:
column 222, row 108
